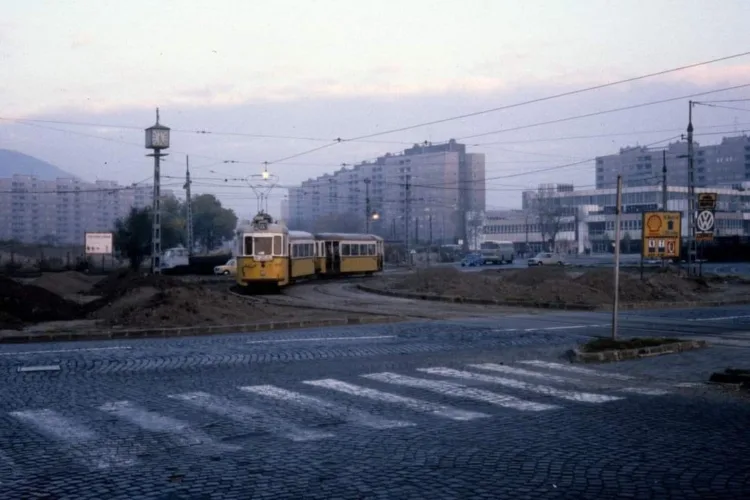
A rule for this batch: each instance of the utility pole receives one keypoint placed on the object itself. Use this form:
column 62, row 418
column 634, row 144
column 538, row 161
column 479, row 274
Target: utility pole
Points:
column 429, row 250
column 664, row 180
column 407, row 216
column 618, row 217
column 691, row 192
column 416, row 231
column 189, row 201
column 157, row 139
column 367, row 205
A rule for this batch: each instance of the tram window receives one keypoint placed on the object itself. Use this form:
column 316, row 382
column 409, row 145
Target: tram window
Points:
column 263, row 246
column 345, row 249
column 277, row 248
column 310, row 251
column 295, row 251
column 354, row 249
column 370, row 249
column 248, row 245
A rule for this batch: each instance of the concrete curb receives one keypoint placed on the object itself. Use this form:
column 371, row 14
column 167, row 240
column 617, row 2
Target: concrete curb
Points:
column 193, row 331
column 548, row 305
column 643, row 352
column 464, row 300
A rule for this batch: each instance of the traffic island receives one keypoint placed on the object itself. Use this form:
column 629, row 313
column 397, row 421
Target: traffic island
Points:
column 732, row 378
column 603, row 350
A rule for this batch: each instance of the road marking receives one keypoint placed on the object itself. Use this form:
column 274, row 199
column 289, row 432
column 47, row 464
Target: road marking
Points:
column 690, row 384
column 318, row 339
column 581, row 397
column 460, row 391
column 83, row 443
column 645, row 391
column 181, row 432
column 250, row 416
column 526, row 373
column 59, row 351
column 325, row 407
column 570, row 327
column 411, row 403
column 39, row 368
column 720, row 318
column 576, row 369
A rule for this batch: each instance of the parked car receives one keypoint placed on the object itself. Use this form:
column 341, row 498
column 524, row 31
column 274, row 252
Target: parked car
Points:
column 471, row 260
column 228, row 269
column 547, row 259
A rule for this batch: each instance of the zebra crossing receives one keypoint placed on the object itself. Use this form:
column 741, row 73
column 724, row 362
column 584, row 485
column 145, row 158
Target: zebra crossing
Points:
column 434, row 393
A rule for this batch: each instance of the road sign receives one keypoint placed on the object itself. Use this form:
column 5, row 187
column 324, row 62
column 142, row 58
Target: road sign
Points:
column 704, row 225
column 661, row 234
column 707, row 201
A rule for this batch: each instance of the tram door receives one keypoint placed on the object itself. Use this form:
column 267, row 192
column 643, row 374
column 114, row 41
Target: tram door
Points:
column 333, row 257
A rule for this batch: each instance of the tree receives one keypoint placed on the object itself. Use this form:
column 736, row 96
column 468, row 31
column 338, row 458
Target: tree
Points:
column 212, row 223
column 549, row 213
column 133, row 236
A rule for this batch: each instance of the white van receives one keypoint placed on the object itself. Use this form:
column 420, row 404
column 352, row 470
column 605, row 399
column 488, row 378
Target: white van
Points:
column 497, row 252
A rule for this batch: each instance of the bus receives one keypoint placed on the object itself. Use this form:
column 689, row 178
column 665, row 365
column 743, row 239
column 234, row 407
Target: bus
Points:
column 497, row 252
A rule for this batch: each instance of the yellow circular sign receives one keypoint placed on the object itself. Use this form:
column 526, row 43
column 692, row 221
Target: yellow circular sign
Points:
column 653, row 223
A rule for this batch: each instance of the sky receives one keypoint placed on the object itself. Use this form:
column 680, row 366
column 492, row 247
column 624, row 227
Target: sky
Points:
column 272, row 80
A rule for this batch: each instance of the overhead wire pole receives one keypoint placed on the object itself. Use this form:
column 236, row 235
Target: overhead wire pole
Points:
column 367, row 205
column 618, row 218
column 691, row 192
column 189, row 204
column 664, row 180
column 407, row 216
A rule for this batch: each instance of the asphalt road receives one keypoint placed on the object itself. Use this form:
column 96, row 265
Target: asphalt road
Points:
column 449, row 409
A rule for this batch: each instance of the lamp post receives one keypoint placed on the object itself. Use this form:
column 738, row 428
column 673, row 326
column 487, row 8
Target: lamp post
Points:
column 157, row 139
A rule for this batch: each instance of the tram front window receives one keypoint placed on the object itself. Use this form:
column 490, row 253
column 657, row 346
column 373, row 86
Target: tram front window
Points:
column 263, row 246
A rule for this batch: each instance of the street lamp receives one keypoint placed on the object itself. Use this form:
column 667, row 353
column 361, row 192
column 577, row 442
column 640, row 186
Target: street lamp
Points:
column 157, row 139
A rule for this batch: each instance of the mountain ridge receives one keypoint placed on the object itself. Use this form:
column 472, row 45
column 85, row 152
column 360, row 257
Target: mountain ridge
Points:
column 15, row 162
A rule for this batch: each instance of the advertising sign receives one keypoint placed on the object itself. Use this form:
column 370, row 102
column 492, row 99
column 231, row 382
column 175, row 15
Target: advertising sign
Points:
column 99, row 243
column 662, row 232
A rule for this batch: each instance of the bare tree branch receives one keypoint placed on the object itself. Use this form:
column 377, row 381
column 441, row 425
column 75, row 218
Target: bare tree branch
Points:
column 549, row 213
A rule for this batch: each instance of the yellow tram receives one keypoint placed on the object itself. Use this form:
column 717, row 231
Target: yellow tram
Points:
column 271, row 256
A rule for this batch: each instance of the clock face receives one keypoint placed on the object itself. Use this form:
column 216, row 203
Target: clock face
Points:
column 160, row 138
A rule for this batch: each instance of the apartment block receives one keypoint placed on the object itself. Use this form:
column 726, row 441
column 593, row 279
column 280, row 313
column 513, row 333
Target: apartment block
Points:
column 423, row 192
column 62, row 210
column 723, row 164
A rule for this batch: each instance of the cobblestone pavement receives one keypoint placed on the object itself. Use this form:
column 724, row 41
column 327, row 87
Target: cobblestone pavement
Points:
column 451, row 409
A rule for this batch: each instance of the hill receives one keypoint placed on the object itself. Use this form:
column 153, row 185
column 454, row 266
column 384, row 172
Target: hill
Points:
column 13, row 162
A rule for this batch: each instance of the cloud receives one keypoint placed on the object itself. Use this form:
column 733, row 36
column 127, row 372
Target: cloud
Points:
column 81, row 40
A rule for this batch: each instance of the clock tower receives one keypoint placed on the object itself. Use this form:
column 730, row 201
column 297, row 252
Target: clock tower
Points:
column 157, row 139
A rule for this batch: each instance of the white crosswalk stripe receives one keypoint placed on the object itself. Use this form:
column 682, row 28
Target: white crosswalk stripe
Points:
column 576, row 369
column 411, row 403
column 509, row 370
column 581, row 397
column 645, row 391
column 84, row 444
column 326, row 407
column 180, row 431
column 249, row 416
column 460, row 391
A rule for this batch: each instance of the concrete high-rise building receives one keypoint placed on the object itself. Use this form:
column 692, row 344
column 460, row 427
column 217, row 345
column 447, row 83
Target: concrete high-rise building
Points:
column 723, row 164
column 427, row 189
column 62, row 210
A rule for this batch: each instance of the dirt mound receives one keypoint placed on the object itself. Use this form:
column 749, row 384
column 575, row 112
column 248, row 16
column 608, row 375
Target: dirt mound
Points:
column 33, row 304
column 149, row 307
column 68, row 282
column 534, row 276
column 123, row 281
column 658, row 287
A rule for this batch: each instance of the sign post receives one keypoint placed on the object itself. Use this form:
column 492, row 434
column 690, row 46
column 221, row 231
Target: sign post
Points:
column 98, row 244
column 705, row 221
column 661, row 235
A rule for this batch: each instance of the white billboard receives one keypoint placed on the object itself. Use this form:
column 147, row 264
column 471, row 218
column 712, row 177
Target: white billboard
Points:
column 99, row 243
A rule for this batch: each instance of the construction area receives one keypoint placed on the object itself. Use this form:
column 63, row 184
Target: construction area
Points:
column 591, row 288
column 130, row 301
column 134, row 301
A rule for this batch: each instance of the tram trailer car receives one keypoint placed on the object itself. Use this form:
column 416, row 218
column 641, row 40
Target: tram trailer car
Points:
column 269, row 256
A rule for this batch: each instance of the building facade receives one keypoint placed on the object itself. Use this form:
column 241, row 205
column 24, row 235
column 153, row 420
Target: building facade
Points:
column 423, row 194
column 723, row 164
column 61, row 211
column 586, row 218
